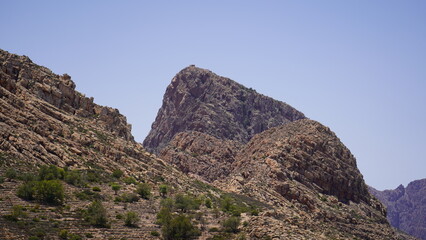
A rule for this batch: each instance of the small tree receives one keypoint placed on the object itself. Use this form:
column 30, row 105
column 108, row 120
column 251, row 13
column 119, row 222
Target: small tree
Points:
column 96, row 215
column 50, row 191
column 144, row 190
column 50, row 173
column 179, row 228
column 115, row 187
column 27, row 191
column 231, row 224
column 185, row 203
column 131, row 219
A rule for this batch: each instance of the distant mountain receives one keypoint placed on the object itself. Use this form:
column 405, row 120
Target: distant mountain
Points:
column 406, row 207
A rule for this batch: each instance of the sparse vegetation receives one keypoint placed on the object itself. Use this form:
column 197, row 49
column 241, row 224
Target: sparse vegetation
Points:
column 96, row 215
column 185, row 203
column 130, row 180
column 179, row 228
column 163, row 189
column 144, row 190
column 129, row 197
column 131, row 219
column 117, row 173
column 17, row 213
column 231, row 224
column 115, row 187
column 45, row 191
column 50, row 191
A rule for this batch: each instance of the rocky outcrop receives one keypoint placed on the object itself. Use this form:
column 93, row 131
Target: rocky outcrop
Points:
column 306, row 152
column 406, row 207
column 199, row 100
column 201, row 154
column 20, row 76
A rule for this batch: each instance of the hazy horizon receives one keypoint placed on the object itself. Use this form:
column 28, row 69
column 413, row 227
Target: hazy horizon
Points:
column 358, row 67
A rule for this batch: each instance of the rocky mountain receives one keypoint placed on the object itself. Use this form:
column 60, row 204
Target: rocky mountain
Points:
column 70, row 169
column 296, row 166
column 406, row 207
column 199, row 100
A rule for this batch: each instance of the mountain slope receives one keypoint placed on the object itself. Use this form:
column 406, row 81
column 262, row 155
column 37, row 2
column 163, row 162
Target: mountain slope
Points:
column 406, row 207
column 199, row 100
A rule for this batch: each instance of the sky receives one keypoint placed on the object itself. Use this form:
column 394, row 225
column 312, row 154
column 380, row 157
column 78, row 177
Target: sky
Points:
column 356, row 66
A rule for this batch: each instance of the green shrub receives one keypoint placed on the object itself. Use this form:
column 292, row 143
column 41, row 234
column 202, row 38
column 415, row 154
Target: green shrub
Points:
column 50, row 191
column 50, row 173
column 164, row 216
column 163, row 189
column 93, row 176
column 227, row 204
column 117, row 173
column 74, row 178
column 96, row 189
column 130, row 180
column 86, row 194
column 11, row 173
column 18, row 211
column 155, row 233
column 231, row 224
column 179, row 228
column 144, row 190
column 96, row 215
column 27, row 190
column 129, row 197
column 27, row 177
column 45, row 191
column 185, row 203
column 131, row 219
column 208, row 203
column 115, row 187
column 74, row 237
column 63, row 234
column 1, row 179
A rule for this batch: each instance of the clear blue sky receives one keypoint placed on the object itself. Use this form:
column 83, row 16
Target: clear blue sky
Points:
column 358, row 67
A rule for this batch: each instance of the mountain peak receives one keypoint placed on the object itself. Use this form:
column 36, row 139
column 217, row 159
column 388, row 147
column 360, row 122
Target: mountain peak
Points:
column 200, row 100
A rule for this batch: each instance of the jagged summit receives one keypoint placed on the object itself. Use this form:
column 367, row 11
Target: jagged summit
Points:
column 199, row 100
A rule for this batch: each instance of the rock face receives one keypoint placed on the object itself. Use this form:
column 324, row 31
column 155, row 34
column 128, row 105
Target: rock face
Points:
column 406, row 207
column 201, row 154
column 199, row 100
column 306, row 152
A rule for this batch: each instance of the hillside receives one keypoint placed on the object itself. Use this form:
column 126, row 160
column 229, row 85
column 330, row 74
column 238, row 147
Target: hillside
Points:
column 406, row 207
column 90, row 151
